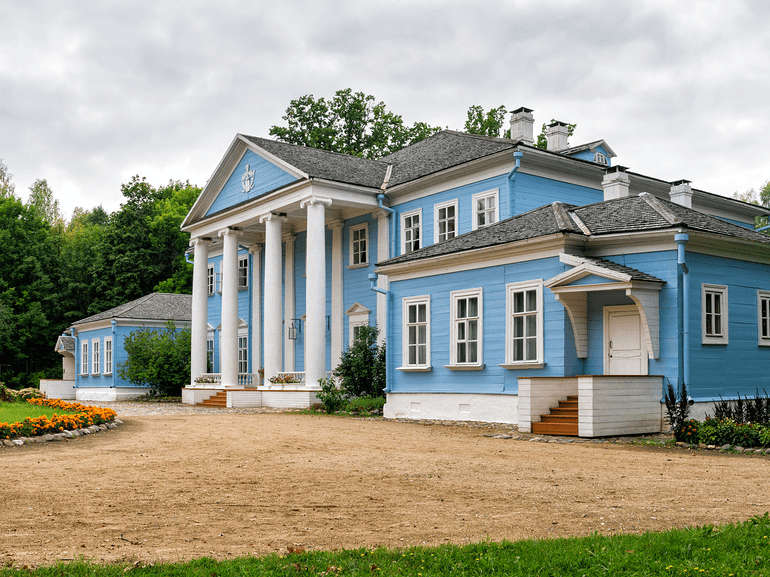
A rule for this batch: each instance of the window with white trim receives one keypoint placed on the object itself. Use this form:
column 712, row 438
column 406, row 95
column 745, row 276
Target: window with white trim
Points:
column 359, row 244
column 243, row 273
column 714, row 314
column 416, row 332
column 445, row 221
column 95, row 356
column 411, row 231
column 210, row 279
column 107, row 355
column 209, row 355
column 84, row 358
column 763, row 317
column 466, row 327
column 485, row 208
column 243, row 355
column 524, row 326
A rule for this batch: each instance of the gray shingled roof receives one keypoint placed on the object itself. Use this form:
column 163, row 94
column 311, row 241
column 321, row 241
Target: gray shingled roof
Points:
column 632, row 272
column 151, row 307
column 65, row 343
column 327, row 165
column 629, row 214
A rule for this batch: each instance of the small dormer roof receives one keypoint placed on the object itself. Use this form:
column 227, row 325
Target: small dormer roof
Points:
column 591, row 147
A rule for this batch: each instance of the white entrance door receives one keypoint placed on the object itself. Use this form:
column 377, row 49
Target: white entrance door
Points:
column 624, row 353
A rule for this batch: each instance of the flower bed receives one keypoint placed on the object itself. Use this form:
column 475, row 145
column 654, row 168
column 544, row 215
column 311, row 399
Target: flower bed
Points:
column 31, row 427
column 724, row 432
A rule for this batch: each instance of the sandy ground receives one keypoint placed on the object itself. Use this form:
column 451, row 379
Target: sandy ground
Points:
column 179, row 487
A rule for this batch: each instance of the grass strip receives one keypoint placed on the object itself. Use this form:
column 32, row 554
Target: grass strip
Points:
column 66, row 416
column 735, row 550
column 15, row 412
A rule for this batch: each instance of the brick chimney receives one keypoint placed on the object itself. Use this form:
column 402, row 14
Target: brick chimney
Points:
column 521, row 125
column 615, row 183
column 681, row 193
column 556, row 135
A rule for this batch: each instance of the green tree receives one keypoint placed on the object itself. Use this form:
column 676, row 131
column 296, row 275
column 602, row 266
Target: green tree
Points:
column 159, row 359
column 6, row 185
column 28, row 297
column 542, row 138
column 760, row 198
column 362, row 366
column 486, row 123
column 350, row 123
column 42, row 200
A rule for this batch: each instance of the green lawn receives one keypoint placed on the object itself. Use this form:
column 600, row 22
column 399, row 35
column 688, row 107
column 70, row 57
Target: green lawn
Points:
column 732, row 550
column 16, row 412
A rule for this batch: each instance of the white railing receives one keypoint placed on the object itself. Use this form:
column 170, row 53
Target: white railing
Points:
column 248, row 380
column 294, row 378
column 209, row 379
column 245, row 380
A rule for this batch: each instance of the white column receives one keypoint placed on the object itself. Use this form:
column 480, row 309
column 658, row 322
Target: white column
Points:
column 337, row 313
column 228, row 353
column 200, row 294
column 383, row 253
column 288, row 303
column 256, row 308
column 315, row 332
column 273, row 341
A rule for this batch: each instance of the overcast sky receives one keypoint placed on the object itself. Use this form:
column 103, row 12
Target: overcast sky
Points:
column 93, row 91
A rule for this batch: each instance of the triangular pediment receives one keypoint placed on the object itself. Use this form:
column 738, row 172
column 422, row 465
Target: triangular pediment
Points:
column 242, row 324
column 587, row 273
column 245, row 172
column 357, row 309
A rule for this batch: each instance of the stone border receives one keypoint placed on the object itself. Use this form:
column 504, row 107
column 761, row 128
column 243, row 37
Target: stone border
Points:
column 63, row 436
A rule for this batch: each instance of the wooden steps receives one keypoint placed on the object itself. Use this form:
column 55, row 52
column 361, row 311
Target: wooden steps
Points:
column 562, row 420
column 218, row 400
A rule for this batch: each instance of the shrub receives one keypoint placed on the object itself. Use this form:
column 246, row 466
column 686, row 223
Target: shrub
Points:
column 677, row 408
column 332, row 399
column 362, row 367
column 159, row 359
column 365, row 405
column 688, row 432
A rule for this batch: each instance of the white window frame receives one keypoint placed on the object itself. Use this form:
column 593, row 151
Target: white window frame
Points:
column 219, row 279
column 437, row 236
column 763, row 339
column 510, row 291
column 107, row 355
column 210, row 280
column 243, row 354
column 95, row 358
column 243, row 272
column 355, row 248
column 406, row 303
column 210, row 353
column 404, row 216
column 84, row 357
column 486, row 194
column 456, row 323
column 714, row 338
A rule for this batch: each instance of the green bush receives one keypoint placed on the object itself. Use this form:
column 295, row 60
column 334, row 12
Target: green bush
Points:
column 365, row 405
column 677, row 408
column 332, row 399
column 688, row 431
column 159, row 359
column 362, row 367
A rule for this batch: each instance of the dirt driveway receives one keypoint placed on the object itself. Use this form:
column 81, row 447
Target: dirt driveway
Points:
column 178, row 487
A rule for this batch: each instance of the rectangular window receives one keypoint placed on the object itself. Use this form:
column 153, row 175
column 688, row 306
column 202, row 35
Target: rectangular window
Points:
column 95, row 356
column 485, row 208
column 359, row 244
column 84, row 358
column 524, row 330
column 763, row 317
column 466, row 327
column 107, row 355
column 411, row 227
column 210, row 279
column 446, row 221
column 243, row 355
column 416, row 332
column 210, row 355
column 714, row 314
column 243, row 273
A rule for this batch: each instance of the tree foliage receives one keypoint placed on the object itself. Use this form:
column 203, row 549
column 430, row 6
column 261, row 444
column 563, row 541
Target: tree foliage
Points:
column 350, row 123
column 7, row 187
column 158, row 358
column 362, row 366
column 486, row 123
column 42, row 201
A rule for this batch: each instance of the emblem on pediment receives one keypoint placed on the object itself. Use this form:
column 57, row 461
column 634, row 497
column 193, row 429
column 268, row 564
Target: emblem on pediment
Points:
column 247, row 180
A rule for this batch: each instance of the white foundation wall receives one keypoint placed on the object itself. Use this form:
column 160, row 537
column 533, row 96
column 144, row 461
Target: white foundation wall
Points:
column 538, row 395
column 193, row 396
column 58, row 389
column 622, row 405
column 297, row 399
column 452, row 407
column 110, row 394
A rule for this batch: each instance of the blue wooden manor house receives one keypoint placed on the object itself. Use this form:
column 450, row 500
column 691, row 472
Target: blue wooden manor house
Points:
column 505, row 279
